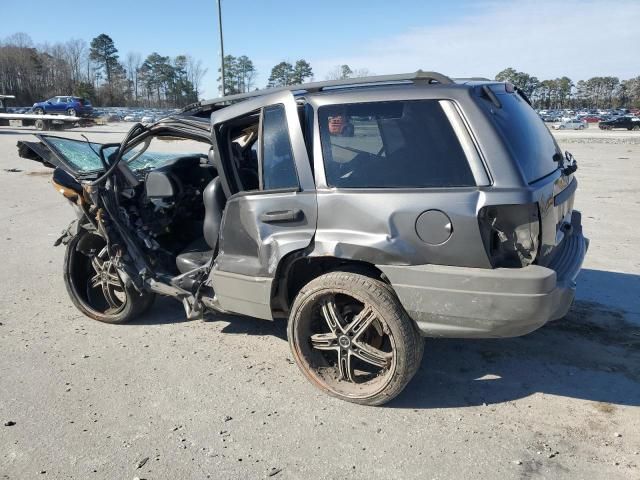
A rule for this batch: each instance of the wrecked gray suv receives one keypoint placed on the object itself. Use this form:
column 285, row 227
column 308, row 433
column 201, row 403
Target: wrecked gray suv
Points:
column 368, row 212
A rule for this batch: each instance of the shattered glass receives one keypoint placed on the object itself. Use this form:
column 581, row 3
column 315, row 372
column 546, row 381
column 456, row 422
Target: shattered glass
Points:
column 83, row 156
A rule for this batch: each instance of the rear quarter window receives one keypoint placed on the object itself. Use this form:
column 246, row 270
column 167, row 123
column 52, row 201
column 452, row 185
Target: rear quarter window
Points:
column 397, row 144
column 529, row 141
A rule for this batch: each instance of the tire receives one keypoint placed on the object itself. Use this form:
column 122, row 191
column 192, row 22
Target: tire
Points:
column 38, row 111
column 71, row 112
column 40, row 125
column 121, row 305
column 368, row 361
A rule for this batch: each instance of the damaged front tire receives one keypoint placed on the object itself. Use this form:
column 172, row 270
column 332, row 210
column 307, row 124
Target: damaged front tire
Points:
column 94, row 285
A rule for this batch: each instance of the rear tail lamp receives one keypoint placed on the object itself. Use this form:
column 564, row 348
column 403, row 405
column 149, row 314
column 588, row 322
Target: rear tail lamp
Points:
column 511, row 234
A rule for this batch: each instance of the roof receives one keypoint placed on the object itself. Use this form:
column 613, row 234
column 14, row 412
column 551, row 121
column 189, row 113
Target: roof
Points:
column 414, row 77
column 418, row 77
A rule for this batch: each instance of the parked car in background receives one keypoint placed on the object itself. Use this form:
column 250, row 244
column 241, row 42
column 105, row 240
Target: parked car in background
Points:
column 630, row 123
column 64, row 105
column 148, row 119
column 591, row 118
column 571, row 124
column 550, row 117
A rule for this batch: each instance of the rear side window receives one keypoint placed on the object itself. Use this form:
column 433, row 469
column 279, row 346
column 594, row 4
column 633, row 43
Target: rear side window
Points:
column 278, row 167
column 525, row 134
column 399, row 144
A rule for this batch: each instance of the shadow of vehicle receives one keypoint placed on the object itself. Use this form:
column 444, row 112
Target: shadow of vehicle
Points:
column 592, row 354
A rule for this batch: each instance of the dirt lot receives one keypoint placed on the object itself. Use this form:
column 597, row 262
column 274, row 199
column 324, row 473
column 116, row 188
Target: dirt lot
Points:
column 169, row 399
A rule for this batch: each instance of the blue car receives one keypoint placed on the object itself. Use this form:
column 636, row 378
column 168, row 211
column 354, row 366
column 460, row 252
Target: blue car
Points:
column 73, row 106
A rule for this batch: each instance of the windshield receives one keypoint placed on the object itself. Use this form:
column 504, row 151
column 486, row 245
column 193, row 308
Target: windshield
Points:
column 82, row 156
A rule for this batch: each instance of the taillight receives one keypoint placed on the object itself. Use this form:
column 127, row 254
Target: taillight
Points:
column 511, row 234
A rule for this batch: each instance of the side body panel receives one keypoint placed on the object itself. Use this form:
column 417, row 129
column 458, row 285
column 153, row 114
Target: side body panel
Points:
column 378, row 226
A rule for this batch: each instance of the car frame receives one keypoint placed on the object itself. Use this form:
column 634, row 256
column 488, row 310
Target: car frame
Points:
column 362, row 263
column 332, row 238
column 624, row 122
column 572, row 124
column 64, row 105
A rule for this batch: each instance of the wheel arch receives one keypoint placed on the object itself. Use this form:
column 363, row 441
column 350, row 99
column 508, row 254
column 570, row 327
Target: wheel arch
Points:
column 299, row 268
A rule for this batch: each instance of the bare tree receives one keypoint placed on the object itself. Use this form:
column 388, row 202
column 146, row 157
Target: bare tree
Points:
column 133, row 63
column 195, row 74
column 340, row 72
column 20, row 40
column 75, row 52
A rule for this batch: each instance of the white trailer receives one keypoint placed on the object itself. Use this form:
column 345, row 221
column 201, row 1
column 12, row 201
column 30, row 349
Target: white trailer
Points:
column 44, row 122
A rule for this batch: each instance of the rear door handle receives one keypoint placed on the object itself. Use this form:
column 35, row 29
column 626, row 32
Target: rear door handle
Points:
column 281, row 216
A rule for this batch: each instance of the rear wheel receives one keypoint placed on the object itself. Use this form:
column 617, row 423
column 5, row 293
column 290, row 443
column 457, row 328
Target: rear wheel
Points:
column 351, row 338
column 95, row 287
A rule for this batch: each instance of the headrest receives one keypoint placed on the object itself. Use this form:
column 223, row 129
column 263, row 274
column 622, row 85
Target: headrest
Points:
column 211, row 156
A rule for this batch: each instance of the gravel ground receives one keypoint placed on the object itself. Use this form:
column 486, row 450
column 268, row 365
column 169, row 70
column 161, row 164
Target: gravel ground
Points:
column 221, row 398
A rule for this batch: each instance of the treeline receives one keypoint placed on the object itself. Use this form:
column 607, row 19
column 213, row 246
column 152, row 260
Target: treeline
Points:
column 596, row 92
column 96, row 71
column 240, row 74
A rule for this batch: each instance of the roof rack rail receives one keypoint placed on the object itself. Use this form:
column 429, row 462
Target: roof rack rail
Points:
column 473, row 79
column 416, row 77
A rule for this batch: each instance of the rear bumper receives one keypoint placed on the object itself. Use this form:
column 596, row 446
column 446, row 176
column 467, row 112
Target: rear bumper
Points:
column 466, row 302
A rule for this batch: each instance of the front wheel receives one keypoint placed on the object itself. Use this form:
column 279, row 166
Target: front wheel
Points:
column 71, row 112
column 94, row 285
column 38, row 111
column 351, row 338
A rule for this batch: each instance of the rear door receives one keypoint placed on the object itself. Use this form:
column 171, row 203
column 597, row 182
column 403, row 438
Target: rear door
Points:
column 270, row 219
column 59, row 105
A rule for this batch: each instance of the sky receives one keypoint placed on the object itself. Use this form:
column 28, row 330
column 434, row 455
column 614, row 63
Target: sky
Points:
column 546, row 38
